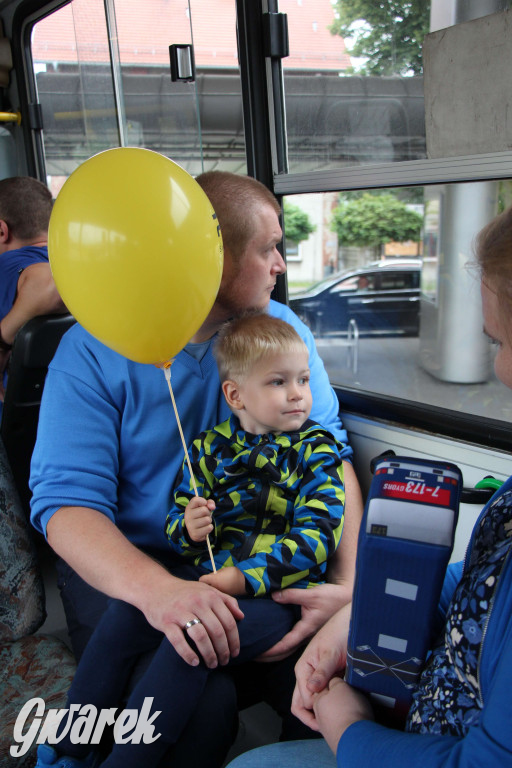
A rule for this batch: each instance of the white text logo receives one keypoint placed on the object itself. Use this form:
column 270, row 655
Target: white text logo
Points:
column 83, row 723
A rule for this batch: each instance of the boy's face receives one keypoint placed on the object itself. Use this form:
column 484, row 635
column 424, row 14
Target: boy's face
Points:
column 275, row 395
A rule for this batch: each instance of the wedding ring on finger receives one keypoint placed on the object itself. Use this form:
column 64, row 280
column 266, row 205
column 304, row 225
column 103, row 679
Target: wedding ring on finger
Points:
column 191, row 623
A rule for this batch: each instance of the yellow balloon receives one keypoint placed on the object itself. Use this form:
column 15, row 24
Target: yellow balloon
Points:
column 136, row 252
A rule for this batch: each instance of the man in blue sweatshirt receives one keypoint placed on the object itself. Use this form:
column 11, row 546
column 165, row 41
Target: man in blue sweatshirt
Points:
column 108, row 453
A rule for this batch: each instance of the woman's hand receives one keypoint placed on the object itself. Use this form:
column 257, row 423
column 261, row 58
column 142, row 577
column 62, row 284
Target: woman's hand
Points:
column 324, row 657
column 337, row 707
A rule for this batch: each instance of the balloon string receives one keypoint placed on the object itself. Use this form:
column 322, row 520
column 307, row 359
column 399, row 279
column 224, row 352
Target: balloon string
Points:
column 167, row 374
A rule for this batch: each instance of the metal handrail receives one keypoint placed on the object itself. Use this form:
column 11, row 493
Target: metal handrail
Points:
column 10, row 117
column 352, row 344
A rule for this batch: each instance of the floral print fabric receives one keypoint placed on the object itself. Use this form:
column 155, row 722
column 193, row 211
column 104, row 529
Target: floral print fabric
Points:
column 21, row 586
column 30, row 665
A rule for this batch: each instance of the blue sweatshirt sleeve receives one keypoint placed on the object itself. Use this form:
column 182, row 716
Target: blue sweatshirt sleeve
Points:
column 75, row 459
column 487, row 744
column 107, row 439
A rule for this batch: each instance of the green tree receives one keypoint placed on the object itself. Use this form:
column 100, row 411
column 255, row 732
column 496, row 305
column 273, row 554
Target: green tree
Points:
column 388, row 34
column 297, row 224
column 373, row 220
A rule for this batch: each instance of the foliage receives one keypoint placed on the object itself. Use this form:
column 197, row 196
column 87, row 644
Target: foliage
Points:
column 388, row 34
column 411, row 195
column 372, row 220
column 297, row 224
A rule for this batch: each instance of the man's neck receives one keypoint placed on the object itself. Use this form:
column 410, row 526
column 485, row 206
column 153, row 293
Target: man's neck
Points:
column 15, row 244
column 205, row 333
column 209, row 328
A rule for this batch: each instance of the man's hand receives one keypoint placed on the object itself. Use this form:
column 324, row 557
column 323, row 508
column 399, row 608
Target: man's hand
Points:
column 215, row 636
column 198, row 518
column 229, row 580
column 323, row 658
column 100, row 553
column 337, row 707
column 318, row 604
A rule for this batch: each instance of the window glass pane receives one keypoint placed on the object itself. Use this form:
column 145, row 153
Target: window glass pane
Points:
column 74, row 82
column 398, row 311
column 354, row 80
column 197, row 124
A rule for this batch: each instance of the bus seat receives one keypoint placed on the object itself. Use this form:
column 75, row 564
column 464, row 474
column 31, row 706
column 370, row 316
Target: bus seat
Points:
column 31, row 665
column 33, row 349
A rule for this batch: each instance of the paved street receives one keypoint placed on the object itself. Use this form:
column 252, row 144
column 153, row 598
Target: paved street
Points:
column 390, row 366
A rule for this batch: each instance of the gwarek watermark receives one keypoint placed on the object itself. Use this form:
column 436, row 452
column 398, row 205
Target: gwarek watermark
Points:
column 83, row 723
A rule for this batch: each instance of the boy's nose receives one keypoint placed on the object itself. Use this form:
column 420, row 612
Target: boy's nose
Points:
column 295, row 393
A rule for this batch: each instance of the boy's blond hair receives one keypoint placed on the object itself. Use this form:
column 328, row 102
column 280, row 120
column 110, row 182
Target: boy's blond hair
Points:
column 244, row 341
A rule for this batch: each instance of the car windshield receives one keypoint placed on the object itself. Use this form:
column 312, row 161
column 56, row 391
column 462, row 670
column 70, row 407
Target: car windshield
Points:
column 327, row 282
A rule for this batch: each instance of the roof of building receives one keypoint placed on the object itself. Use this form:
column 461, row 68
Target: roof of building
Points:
column 144, row 37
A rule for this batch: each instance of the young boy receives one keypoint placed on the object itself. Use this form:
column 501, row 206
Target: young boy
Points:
column 270, row 482
column 270, row 497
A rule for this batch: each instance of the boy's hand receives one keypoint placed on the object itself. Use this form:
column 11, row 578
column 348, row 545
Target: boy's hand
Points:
column 229, row 580
column 198, row 518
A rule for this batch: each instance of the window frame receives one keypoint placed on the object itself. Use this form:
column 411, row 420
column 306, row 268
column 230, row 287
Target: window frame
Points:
column 413, row 173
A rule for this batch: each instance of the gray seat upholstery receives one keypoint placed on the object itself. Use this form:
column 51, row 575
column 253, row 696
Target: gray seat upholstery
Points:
column 33, row 349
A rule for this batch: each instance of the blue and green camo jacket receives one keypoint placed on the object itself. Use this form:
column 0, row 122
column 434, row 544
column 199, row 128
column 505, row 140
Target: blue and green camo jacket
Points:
column 279, row 504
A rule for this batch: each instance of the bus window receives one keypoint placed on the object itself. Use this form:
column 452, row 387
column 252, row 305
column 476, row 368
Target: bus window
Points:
column 351, row 146
column 378, row 200
column 346, row 109
column 75, row 88
column 419, row 313
column 104, row 81
column 359, row 98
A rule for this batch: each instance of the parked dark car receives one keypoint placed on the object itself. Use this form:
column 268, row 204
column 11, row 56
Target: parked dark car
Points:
column 383, row 298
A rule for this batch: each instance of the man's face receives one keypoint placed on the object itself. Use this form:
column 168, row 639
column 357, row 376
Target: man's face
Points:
column 248, row 282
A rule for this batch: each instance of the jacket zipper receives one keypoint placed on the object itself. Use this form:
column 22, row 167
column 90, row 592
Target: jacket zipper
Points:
column 245, row 550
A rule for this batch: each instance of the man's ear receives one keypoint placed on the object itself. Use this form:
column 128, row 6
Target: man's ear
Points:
column 4, row 232
column 232, row 395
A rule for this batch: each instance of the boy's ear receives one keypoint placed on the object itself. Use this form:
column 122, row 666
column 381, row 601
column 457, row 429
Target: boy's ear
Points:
column 232, row 395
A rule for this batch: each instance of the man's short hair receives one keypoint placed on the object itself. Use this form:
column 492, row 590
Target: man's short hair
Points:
column 235, row 199
column 245, row 340
column 25, row 206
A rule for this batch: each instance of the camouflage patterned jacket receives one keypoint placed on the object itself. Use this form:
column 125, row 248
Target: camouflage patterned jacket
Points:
column 279, row 503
